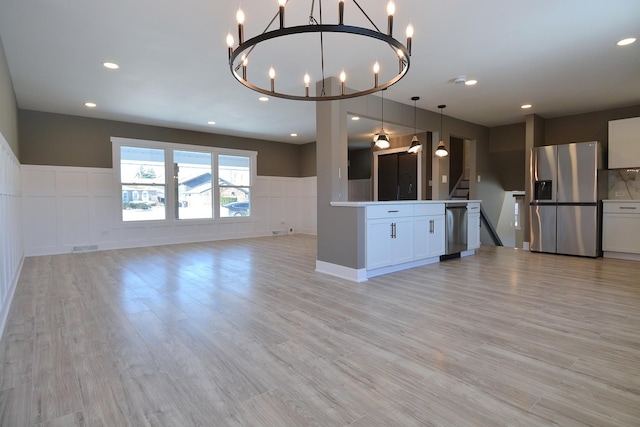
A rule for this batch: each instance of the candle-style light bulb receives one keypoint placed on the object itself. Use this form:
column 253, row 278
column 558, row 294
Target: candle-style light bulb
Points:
column 244, row 61
column 282, row 3
column 409, row 37
column 343, row 78
column 240, row 19
column 341, row 12
column 391, row 9
column 272, row 76
column 307, row 80
column 376, row 70
column 230, row 42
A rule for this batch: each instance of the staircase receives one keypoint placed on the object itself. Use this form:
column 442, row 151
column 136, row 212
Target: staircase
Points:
column 461, row 190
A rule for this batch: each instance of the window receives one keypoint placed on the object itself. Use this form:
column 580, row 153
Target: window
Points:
column 195, row 190
column 142, row 171
column 193, row 184
column 234, row 179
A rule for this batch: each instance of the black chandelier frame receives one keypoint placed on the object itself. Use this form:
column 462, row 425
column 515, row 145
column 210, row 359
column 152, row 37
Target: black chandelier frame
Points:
column 242, row 51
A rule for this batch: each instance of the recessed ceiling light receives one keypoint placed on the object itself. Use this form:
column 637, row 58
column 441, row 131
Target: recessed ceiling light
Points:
column 90, row 104
column 110, row 65
column 355, row 118
column 263, row 99
column 525, row 106
column 471, row 82
column 627, row 41
column 294, row 134
column 211, row 122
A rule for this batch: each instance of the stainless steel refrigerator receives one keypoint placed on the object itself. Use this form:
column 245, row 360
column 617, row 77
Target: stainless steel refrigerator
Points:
column 567, row 187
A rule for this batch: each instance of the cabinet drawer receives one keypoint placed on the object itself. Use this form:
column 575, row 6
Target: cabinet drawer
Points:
column 389, row 211
column 473, row 207
column 622, row 207
column 429, row 209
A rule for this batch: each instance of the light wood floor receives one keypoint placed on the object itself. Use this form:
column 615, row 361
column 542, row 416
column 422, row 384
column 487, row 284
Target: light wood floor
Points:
column 245, row 333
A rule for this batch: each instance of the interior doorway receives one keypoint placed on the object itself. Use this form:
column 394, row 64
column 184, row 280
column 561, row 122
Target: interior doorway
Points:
column 397, row 175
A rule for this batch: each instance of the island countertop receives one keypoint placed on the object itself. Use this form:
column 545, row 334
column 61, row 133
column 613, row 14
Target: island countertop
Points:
column 393, row 202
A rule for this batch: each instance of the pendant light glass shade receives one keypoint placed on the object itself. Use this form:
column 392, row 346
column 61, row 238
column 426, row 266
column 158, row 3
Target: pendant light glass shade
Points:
column 415, row 146
column 441, row 150
column 382, row 139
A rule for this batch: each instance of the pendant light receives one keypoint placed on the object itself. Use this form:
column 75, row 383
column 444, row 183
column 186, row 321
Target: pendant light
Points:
column 441, row 151
column 382, row 139
column 415, row 147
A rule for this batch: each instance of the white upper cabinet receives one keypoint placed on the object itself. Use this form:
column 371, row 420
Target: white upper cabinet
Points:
column 624, row 143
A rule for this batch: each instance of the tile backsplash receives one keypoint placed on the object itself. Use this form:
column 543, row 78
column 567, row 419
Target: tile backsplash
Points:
column 624, row 184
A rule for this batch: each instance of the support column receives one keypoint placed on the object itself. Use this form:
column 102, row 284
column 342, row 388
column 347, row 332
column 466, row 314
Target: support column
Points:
column 340, row 230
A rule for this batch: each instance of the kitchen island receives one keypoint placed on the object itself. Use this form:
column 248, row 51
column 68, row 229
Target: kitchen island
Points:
column 396, row 235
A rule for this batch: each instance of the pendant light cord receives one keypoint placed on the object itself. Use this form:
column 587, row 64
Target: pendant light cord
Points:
column 414, row 115
column 382, row 117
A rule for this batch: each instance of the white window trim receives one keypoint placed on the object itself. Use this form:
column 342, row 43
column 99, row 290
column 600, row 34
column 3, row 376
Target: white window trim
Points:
column 169, row 147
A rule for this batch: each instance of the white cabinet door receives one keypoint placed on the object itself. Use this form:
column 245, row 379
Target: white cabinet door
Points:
column 389, row 242
column 473, row 231
column 624, row 143
column 429, row 236
column 379, row 235
column 437, row 239
column 621, row 233
column 402, row 241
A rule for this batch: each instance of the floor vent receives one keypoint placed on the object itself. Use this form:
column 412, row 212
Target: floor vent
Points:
column 278, row 232
column 88, row 248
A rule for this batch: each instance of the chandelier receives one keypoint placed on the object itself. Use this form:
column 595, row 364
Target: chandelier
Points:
column 239, row 54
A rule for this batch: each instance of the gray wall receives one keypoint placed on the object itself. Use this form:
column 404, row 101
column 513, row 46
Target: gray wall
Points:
column 63, row 140
column 307, row 154
column 585, row 127
column 8, row 105
column 506, row 145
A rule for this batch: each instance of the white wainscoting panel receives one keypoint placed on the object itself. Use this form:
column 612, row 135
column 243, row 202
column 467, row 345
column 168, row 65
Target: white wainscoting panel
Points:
column 11, row 242
column 71, row 207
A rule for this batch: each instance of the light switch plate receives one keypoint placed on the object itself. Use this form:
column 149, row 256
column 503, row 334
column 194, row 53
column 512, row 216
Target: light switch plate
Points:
column 478, row 178
column 444, row 179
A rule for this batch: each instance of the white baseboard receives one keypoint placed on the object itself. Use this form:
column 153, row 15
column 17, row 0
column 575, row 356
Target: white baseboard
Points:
column 347, row 273
column 400, row 267
column 621, row 255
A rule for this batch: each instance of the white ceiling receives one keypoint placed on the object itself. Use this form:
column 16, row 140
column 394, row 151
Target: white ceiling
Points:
column 560, row 56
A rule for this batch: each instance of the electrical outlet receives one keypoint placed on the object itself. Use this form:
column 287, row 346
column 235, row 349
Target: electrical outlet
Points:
column 444, row 179
column 478, row 178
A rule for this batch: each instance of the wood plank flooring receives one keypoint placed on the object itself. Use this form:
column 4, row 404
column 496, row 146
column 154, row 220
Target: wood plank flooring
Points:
column 245, row 333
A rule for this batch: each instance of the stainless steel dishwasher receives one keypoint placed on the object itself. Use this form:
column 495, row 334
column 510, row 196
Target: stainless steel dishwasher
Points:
column 456, row 228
